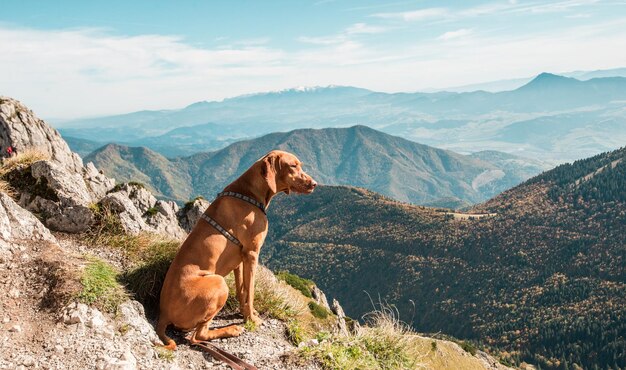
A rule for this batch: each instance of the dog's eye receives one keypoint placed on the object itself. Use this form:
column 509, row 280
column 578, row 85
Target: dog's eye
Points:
column 293, row 165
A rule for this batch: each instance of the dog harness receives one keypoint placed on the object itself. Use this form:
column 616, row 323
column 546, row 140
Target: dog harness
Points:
column 219, row 228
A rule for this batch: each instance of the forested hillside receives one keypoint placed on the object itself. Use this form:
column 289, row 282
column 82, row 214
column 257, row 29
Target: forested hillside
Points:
column 543, row 280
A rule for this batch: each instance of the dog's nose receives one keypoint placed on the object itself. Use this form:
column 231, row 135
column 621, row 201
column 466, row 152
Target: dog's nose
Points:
column 313, row 184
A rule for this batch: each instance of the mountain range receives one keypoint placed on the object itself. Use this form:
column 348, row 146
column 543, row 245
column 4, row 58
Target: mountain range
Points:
column 357, row 156
column 537, row 272
column 574, row 118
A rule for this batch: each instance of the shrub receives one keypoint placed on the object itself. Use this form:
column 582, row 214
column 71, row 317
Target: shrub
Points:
column 468, row 347
column 303, row 285
column 317, row 310
column 151, row 211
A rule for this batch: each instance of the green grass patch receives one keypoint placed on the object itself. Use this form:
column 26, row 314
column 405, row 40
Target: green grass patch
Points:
column 152, row 211
column 295, row 333
column 318, row 311
column 101, row 287
column 468, row 347
column 303, row 285
column 192, row 201
column 249, row 325
column 165, row 354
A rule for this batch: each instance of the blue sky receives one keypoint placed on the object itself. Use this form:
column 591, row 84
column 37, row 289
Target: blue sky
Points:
column 79, row 58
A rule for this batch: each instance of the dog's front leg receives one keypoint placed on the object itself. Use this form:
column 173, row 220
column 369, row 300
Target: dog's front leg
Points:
column 250, row 262
column 238, row 272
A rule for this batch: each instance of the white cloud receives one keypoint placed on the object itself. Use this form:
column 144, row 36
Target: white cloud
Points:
column 71, row 73
column 415, row 15
column 363, row 28
column 455, row 34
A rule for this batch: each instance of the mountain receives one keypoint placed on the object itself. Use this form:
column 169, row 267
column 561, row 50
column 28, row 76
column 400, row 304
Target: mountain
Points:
column 358, row 156
column 541, row 277
column 464, row 122
column 83, row 259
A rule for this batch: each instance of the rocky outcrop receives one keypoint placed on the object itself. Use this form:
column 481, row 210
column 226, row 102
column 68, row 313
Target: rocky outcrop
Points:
column 17, row 224
column 320, row 297
column 139, row 210
column 189, row 215
column 21, row 129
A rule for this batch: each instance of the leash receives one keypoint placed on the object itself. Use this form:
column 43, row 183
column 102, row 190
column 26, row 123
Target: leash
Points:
column 231, row 360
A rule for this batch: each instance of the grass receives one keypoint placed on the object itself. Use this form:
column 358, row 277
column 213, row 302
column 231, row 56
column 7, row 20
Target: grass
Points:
column 165, row 353
column 149, row 255
column 190, row 203
column 249, row 325
column 317, row 310
column 100, row 286
column 385, row 343
column 303, row 285
column 22, row 159
column 13, row 176
column 151, row 211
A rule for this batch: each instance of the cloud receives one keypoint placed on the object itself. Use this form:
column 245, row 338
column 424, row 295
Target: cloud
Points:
column 455, row 34
column 415, row 15
column 79, row 72
column 363, row 28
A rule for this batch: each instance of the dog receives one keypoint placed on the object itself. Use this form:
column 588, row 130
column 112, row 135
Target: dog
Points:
column 194, row 290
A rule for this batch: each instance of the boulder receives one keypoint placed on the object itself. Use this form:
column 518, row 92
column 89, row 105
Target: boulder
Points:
column 58, row 195
column 139, row 210
column 97, row 183
column 21, row 129
column 17, row 224
column 189, row 215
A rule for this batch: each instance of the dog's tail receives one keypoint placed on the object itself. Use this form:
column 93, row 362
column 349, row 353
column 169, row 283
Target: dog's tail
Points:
column 160, row 330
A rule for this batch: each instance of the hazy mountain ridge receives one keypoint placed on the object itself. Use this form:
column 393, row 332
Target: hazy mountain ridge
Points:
column 357, row 156
column 465, row 122
column 543, row 280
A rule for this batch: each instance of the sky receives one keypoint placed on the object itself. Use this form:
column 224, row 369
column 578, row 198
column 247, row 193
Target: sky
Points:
column 68, row 59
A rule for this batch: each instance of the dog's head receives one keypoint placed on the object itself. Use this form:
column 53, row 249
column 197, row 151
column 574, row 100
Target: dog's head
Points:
column 283, row 172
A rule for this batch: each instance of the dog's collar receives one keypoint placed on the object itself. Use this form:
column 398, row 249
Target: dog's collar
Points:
column 245, row 198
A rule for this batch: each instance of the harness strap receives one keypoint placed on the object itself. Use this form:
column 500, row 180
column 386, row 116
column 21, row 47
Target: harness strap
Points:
column 245, row 198
column 233, row 361
column 219, row 228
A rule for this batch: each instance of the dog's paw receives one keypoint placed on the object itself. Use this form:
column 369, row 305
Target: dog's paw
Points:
column 235, row 330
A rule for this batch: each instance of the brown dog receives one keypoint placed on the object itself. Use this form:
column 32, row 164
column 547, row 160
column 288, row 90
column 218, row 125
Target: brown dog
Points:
column 194, row 290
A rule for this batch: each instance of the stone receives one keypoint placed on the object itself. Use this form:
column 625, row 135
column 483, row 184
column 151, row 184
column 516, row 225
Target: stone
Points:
column 341, row 317
column 17, row 224
column 21, row 129
column 320, row 297
column 15, row 329
column 131, row 314
column 189, row 215
column 97, row 183
column 75, row 313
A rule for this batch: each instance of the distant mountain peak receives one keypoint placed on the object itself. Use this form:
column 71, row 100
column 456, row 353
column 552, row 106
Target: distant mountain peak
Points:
column 546, row 80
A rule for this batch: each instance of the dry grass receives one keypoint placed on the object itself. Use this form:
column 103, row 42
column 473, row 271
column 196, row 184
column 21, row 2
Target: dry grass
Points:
column 7, row 189
column 23, row 159
column 384, row 343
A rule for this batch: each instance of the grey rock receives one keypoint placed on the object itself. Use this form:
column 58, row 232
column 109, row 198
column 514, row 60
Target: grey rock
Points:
column 132, row 315
column 139, row 211
column 17, row 224
column 320, row 297
column 341, row 317
column 129, row 215
column 165, row 220
column 97, row 183
column 20, row 128
column 189, row 215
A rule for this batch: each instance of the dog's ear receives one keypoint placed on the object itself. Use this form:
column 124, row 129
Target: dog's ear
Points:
column 268, row 170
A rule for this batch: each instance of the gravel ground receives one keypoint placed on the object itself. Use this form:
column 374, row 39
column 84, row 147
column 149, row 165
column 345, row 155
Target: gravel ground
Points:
column 81, row 337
